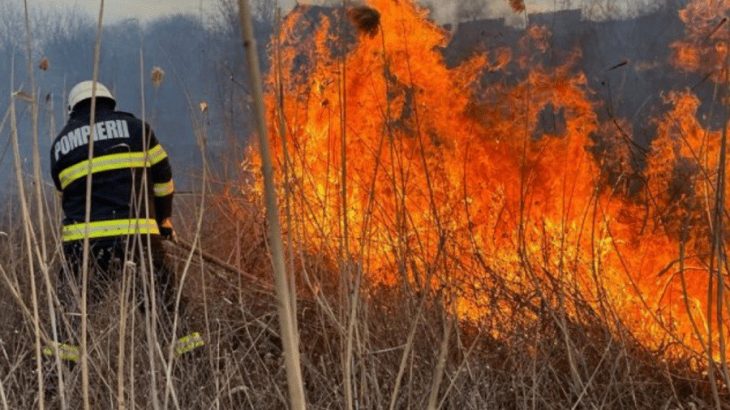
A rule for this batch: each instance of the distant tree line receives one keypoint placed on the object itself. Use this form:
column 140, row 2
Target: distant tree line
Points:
column 201, row 57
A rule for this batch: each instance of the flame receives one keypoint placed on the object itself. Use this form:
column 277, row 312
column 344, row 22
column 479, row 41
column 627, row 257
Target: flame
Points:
column 704, row 48
column 449, row 184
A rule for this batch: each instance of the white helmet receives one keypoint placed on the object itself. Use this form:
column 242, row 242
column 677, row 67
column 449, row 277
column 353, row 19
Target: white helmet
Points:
column 83, row 91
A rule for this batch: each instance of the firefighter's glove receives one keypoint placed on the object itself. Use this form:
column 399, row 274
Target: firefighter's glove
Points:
column 167, row 231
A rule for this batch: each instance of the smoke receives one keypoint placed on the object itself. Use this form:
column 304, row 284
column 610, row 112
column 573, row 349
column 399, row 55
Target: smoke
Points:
column 455, row 11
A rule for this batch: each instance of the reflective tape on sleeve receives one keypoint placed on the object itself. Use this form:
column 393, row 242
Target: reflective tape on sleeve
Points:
column 106, row 229
column 66, row 352
column 188, row 343
column 164, row 189
column 156, row 154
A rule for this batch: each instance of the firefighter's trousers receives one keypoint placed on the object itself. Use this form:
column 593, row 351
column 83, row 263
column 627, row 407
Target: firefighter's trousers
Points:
column 110, row 262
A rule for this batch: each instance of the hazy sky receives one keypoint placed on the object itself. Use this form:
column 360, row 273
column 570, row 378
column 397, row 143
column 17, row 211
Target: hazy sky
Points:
column 115, row 10
column 144, row 10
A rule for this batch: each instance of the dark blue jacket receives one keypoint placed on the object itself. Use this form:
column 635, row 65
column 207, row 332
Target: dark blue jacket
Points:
column 132, row 186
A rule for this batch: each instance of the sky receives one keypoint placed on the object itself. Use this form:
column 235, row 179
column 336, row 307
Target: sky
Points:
column 145, row 10
column 445, row 11
column 117, row 10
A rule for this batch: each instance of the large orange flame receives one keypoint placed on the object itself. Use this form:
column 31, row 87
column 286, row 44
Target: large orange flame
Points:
column 448, row 184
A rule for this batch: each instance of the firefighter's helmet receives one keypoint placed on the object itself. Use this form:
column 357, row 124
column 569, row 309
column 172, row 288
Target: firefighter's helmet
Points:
column 83, row 91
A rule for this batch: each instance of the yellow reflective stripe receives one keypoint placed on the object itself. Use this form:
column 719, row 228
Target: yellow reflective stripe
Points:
column 100, row 164
column 156, row 154
column 66, row 352
column 165, row 188
column 111, row 162
column 105, row 229
column 188, row 343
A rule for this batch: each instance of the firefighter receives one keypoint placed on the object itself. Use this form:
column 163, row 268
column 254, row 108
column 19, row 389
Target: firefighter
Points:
column 131, row 207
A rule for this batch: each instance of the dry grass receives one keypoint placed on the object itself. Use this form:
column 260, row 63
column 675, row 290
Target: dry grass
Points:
column 363, row 344
column 409, row 350
column 243, row 367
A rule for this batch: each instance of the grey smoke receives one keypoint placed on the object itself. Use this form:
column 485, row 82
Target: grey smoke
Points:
column 455, row 11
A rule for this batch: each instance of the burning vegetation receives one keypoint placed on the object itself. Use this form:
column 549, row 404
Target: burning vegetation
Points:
column 506, row 200
column 475, row 232
column 517, row 5
column 366, row 19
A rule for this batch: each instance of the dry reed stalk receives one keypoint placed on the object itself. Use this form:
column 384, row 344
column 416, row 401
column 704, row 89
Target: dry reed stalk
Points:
column 605, row 221
column 287, row 317
column 3, row 398
column 87, row 219
column 203, row 135
column 200, row 132
column 4, row 120
column 40, row 201
column 406, row 354
column 34, row 124
column 441, row 362
column 346, row 286
column 54, row 210
column 132, row 351
column 367, row 20
column 127, row 276
column 14, row 288
column 144, row 250
column 593, row 376
column 282, row 125
column 716, row 262
column 12, row 285
column 37, row 179
column 191, row 249
column 560, row 320
column 204, row 287
column 683, row 281
column 464, row 363
column 27, row 230
column 708, row 323
column 719, row 237
column 308, row 209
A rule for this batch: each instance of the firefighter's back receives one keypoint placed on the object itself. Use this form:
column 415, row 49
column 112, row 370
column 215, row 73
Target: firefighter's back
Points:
column 124, row 149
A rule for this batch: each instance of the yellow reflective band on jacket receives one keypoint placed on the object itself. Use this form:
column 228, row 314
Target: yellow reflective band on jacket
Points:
column 100, row 164
column 105, row 229
column 164, row 189
column 112, row 162
column 69, row 353
column 156, row 155
column 188, row 343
